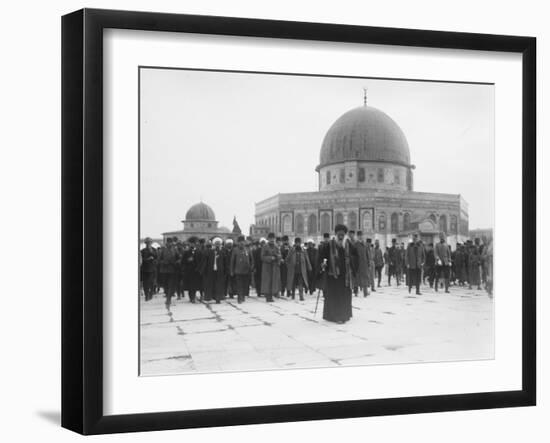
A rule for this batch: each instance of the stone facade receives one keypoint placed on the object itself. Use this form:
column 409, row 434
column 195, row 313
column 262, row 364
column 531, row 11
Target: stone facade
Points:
column 380, row 214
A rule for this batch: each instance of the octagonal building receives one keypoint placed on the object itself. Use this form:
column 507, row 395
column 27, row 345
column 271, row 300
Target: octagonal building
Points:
column 366, row 181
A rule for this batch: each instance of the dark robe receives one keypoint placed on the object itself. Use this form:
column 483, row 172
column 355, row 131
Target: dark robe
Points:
column 337, row 303
column 214, row 280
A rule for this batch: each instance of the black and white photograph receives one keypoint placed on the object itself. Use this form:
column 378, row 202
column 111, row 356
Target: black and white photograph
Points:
column 295, row 221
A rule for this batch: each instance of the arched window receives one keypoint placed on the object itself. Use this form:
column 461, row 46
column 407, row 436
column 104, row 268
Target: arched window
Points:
column 433, row 218
column 352, row 221
column 382, row 223
column 361, row 175
column 328, row 177
column 299, row 224
column 325, row 223
column 312, row 224
column 366, row 221
column 286, row 224
column 406, row 221
column 342, row 175
column 394, row 223
column 339, row 218
column 443, row 223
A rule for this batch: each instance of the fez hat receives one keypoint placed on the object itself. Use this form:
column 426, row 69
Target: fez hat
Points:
column 192, row 239
column 393, row 240
column 326, row 235
column 169, row 240
column 340, row 227
column 297, row 240
column 202, row 241
column 359, row 232
column 270, row 235
column 369, row 240
column 285, row 237
column 240, row 238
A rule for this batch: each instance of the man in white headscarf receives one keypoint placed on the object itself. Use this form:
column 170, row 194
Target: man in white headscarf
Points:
column 214, row 272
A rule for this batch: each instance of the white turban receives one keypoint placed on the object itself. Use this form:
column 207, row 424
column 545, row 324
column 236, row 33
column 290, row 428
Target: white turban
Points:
column 263, row 240
column 217, row 240
column 229, row 241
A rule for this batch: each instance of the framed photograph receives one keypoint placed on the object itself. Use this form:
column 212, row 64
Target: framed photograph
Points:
column 268, row 221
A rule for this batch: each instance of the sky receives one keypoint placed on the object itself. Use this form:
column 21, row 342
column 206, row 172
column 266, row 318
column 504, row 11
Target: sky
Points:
column 233, row 139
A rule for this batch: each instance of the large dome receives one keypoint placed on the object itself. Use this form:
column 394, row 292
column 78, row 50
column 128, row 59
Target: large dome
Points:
column 200, row 211
column 365, row 134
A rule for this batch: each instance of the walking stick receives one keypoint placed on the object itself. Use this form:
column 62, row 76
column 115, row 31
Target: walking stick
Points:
column 317, row 302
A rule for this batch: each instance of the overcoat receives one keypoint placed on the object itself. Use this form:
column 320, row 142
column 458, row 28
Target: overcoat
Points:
column 305, row 267
column 271, row 274
column 442, row 253
column 415, row 256
column 148, row 260
column 192, row 277
column 362, row 264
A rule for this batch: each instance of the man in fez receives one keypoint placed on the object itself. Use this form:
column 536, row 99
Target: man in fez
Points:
column 298, row 266
column 370, row 257
column 362, row 264
column 242, row 266
column 312, row 256
column 414, row 260
column 321, row 274
column 442, row 256
column 271, row 274
column 191, row 261
column 336, row 261
column 285, row 249
column 168, row 260
column 354, row 261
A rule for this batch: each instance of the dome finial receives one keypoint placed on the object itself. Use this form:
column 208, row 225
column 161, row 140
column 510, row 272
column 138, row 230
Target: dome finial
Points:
column 365, row 96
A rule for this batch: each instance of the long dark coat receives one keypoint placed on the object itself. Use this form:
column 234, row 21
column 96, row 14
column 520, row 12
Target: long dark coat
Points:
column 305, row 267
column 271, row 274
column 192, row 277
column 214, row 282
column 337, row 304
column 362, row 264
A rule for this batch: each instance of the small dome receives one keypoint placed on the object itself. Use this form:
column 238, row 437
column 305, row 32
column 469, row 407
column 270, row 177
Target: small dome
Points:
column 365, row 134
column 200, row 211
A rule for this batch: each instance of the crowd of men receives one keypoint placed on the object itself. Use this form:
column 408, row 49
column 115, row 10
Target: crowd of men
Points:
column 347, row 263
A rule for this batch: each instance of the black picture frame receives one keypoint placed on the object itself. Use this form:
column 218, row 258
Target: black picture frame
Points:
column 82, row 220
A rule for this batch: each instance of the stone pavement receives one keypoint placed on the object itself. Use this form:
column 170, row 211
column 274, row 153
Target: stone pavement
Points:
column 389, row 326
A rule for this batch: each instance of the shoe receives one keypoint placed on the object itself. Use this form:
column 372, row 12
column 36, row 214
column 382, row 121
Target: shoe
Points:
column 447, row 291
column 418, row 293
column 301, row 298
column 409, row 290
